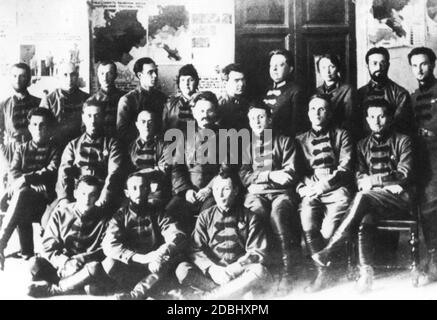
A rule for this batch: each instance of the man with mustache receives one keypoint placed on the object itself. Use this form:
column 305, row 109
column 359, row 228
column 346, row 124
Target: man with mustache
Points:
column 196, row 162
column 381, row 86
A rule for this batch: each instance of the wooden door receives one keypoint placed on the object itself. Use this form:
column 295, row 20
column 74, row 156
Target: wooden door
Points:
column 306, row 27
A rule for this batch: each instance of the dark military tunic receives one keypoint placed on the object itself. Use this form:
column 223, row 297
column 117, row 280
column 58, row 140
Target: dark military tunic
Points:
column 397, row 96
column 232, row 112
column 177, row 112
column 131, row 104
column 13, row 122
column 111, row 99
column 425, row 104
column 343, row 104
column 85, row 155
column 288, row 106
column 67, row 108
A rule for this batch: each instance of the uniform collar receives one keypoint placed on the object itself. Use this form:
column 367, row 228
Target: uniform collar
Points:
column 320, row 132
column 428, row 84
column 383, row 137
column 279, row 85
column 18, row 98
column 328, row 89
column 143, row 143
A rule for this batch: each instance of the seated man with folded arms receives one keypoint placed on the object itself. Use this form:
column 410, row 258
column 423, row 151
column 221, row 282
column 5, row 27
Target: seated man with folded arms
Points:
column 33, row 176
column 270, row 178
column 71, row 245
column 327, row 177
column 141, row 243
column 146, row 154
column 384, row 177
column 228, row 245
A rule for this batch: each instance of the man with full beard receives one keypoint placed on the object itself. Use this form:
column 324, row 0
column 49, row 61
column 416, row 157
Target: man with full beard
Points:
column 381, row 86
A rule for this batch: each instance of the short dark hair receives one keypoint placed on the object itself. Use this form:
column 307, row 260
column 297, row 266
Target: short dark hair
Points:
column 260, row 105
column 90, row 180
column 138, row 66
column 47, row 114
column 93, row 102
column 331, row 57
column 204, row 95
column 188, row 70
column 322, row 96
column 286, row 53
column 26, row 68
column 422, row 50
column 106, row 63
column 233, row 67
column 379, row 103
column 378, row 50
column 227, row 171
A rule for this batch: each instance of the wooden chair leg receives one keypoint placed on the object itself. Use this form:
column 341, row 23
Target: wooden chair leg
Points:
column 415, row 258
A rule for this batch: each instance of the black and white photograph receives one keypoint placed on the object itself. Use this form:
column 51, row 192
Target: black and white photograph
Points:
column 206, row 150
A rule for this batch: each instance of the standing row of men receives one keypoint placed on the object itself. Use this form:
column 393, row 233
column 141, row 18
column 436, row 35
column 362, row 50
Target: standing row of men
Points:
column 312, row 171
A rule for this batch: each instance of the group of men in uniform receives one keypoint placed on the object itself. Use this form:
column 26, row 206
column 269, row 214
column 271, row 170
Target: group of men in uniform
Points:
column 120, row 215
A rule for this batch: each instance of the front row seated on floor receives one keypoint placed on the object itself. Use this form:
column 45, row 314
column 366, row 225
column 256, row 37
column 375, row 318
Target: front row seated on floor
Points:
column 130, row 254
column 143, row 246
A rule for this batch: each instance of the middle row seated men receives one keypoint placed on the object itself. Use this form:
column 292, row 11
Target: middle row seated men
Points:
column 212, row 236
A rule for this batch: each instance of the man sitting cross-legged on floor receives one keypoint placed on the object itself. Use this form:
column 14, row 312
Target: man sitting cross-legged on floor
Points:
column 384, row 177
column 328, row 173
column 141, row 243
column 33, row 175
column 228, row 245
column 72, row 245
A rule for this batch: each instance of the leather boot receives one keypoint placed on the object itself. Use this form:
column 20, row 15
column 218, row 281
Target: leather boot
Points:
column 141, row 289
column 355, row 213
column 2, row 260
column 291, row 255
column 41, row 289
column 366, row 244
column 365, row 281
column 430, row 271
column 315, row 243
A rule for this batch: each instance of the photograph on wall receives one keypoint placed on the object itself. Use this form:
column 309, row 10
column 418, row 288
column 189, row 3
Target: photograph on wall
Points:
column 396, row 23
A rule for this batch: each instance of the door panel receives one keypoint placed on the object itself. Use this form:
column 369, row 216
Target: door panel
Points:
column 306, row 27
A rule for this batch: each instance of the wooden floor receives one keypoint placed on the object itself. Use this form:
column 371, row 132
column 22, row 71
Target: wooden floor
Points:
column 387, row 285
